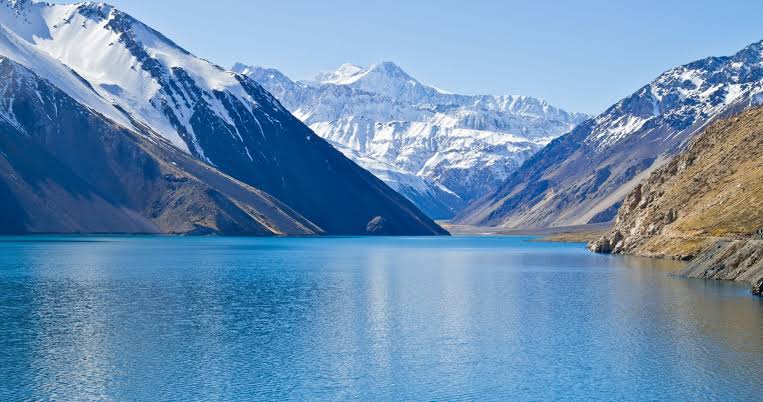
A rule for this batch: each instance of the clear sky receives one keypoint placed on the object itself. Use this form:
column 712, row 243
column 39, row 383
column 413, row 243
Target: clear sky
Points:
column 580, row 55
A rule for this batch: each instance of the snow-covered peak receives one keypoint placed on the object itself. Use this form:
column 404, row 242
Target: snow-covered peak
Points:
column 50, row 69
column 390, row 81
column 343, row 74
column 241, row 68
column 260, row 72
column 385, row 78
column 146, row 75
column 465, row 143
column 349, row 73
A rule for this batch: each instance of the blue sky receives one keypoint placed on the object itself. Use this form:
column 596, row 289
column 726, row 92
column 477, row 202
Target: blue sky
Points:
column 580, row 55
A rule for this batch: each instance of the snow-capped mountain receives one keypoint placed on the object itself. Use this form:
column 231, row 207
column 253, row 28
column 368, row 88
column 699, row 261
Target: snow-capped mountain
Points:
column 583, row 177
column 136, row 77
column 684, row 97
column 467, row 144
column 66, row 168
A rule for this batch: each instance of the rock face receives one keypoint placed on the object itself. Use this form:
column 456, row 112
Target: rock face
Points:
column 455, row 144
column 579, row 177
column 703, row 205
column 137, row 78
column 735, row 260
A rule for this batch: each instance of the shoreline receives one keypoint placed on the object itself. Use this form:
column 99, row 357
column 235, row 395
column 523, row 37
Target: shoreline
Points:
column 560, row 234
column 726, row 259
column 714, row 263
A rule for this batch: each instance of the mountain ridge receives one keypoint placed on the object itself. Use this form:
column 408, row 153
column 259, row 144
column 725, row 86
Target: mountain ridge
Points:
column 465, row 143
column 150, row 85
column 599, row 162
column 126, row 184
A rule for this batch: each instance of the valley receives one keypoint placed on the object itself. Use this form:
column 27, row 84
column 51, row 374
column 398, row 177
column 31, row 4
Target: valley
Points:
column 196, row 203
column 452, row 149
column 180, row 145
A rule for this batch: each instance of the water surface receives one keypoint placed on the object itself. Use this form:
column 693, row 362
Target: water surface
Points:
column 146, row 318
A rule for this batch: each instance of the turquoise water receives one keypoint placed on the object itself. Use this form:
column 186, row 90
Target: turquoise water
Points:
column 155, row 318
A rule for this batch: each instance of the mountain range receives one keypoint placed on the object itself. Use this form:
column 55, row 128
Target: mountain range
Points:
column 439, row 149
column 109, row 126
column 106, row 125
column 582, row 177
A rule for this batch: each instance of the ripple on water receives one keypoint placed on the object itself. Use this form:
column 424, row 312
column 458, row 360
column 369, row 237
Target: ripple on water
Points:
column 357, row 318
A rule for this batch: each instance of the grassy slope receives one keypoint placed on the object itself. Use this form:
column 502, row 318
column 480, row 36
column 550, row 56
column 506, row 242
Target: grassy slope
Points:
column 713, row 190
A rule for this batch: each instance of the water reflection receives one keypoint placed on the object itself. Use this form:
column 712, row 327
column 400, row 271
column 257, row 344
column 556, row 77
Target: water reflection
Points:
column 167, row 318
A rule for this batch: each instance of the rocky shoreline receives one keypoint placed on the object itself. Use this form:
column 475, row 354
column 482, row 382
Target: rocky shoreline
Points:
column 739, row 260
column 703, row 206
column 736, row 260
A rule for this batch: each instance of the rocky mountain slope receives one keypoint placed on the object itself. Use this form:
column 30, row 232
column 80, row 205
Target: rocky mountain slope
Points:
column 460, row 144
column 582, row 177
column 147, row 84
column 704, row 205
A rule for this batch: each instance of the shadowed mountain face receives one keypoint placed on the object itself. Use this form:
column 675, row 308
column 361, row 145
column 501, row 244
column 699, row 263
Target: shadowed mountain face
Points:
column 582, row 177
column 147, row 84
column 64, row 168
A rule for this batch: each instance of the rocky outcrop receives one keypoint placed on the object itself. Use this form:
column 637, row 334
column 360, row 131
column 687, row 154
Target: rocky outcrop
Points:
column 606, row 244
column 734, row 260
column 702, row 206
column 377, row 225
column 757, row 288
column 728, row 260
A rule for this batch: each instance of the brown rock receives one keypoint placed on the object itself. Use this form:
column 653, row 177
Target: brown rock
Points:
column 601, row 246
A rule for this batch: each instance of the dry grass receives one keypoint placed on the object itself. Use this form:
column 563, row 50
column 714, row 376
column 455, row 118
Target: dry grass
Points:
column 715, row 186
column 572, row 234
column 575, row 237
column 723, row 188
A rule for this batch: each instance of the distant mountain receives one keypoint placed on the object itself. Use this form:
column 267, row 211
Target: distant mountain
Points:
column 143, row 82
column 465, row 144
column 704, row 205
column 582, row 177
column 431, row 197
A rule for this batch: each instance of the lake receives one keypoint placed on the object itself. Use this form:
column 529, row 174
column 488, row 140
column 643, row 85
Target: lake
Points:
column 147, row 318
